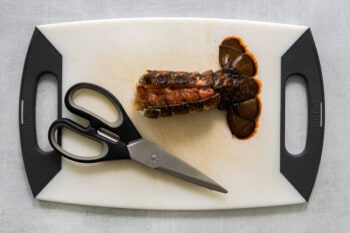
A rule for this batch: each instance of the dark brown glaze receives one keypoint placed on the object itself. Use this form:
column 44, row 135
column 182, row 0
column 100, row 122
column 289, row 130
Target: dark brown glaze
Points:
column 234, row 88
column 170, row 93
column 242, row 118
column 227, row 55
column 169, row 96
column 182, row 108
column 177, row 79
column 248, row 109
column 242, row 65
column 243, row 89
column 233, row 57
column 233, row 43
column 238, row 87
column 240, row 127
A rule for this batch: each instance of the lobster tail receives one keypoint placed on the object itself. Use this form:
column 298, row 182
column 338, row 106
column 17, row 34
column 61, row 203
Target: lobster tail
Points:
column 233, row 88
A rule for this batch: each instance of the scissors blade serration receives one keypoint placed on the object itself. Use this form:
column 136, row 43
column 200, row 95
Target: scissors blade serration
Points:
column 154, row 157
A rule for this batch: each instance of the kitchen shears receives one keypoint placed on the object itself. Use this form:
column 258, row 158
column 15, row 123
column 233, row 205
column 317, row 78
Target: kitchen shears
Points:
column 121, row 140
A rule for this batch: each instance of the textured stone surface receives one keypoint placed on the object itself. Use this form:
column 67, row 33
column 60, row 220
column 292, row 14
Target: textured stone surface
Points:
column 328, row 208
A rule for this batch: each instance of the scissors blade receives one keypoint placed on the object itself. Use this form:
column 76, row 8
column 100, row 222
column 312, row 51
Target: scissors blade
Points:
column 154, row 157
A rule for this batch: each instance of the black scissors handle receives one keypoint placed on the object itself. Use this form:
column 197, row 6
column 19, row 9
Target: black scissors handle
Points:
column 123, row 126
column 119, row 133
column 111, row 149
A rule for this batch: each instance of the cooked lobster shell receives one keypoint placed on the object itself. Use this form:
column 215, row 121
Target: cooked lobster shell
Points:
column 233, row 88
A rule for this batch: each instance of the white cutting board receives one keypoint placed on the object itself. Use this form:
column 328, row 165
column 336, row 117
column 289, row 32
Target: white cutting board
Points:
column 114, row 54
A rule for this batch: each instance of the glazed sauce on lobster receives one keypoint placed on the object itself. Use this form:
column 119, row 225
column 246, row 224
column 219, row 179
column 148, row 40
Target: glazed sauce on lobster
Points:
column 228, row 50
column 234, row 89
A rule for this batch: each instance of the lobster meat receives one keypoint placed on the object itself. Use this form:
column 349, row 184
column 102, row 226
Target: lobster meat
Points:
column 234, row 88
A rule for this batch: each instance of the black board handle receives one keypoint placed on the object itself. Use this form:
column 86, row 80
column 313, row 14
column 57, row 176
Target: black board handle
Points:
column 41, row 58
column 302, row 59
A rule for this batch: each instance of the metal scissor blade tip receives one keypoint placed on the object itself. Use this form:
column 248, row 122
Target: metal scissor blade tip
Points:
column 205, row 182
column 154, row 157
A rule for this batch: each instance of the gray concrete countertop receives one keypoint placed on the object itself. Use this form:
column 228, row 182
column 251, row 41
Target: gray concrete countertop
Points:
column 329, row 205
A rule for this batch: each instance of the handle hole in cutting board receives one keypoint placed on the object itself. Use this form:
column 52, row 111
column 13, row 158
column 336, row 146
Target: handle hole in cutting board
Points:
column 296, row 115
column 45, row 108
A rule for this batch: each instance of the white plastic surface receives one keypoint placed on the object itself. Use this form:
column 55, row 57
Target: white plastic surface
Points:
column 115, row 53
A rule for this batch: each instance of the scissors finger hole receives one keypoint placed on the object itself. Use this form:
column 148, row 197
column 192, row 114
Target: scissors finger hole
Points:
column 97, row 105
column 79, row 147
